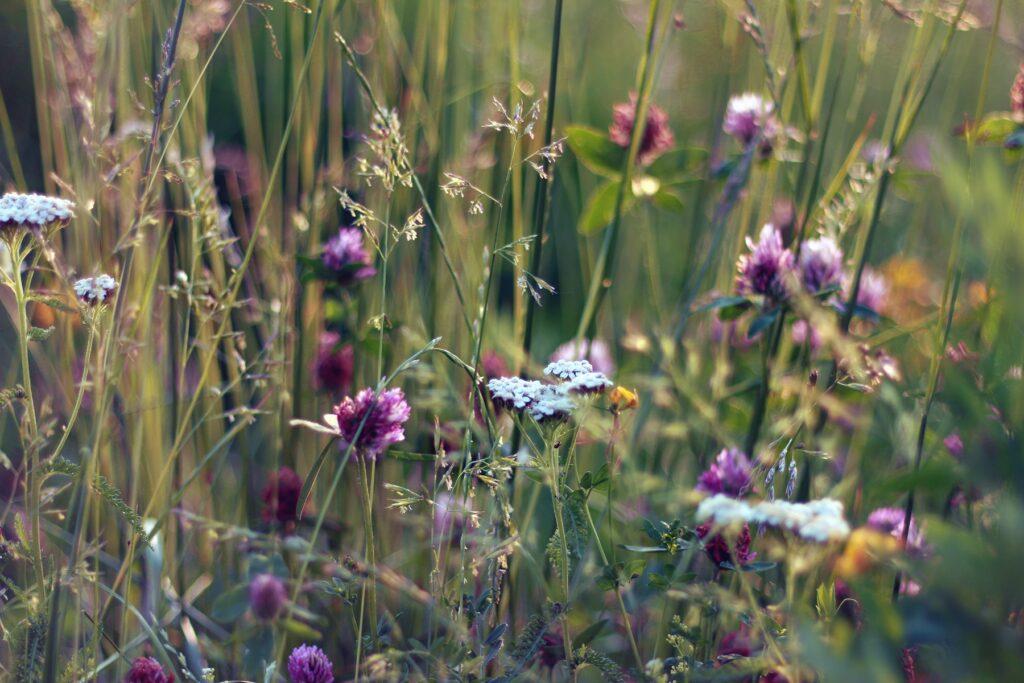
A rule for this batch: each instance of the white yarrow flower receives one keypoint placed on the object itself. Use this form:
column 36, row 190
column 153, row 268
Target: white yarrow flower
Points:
column 568, row 369
column 93, row 291
column 33, row 211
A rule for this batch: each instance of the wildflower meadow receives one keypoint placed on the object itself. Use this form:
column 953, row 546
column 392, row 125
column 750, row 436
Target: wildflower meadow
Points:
column 511, row 340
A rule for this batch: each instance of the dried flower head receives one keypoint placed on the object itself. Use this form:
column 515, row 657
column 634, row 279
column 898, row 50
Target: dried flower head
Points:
column 765, row 269
column 345, row 255
column 280, row 496
column 33, row 212
column 729, row 474
column 821, row 264
column 309, row 664
column 657, row 138
column 267, row 596
column 333, row 365
column 384, row 418
column 568, row 369
column 147, row 670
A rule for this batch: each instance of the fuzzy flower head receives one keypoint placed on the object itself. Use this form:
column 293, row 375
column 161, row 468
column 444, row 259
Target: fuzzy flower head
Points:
column 333, row 365
column 33, row 212
column 729, row 474
column 147, row 670
column 821, row 264
column 267, row 596
column 594, row 351
column 384, row 420
column 720, row 550
column 765, row 269
column 890, row 520
column 657, row 138
column 746, row 115
column 93, row 291
column 281, row 496
column 309, row 664
column 345, row 255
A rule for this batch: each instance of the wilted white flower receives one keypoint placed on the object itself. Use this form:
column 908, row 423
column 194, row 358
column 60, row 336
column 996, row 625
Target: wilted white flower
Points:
column 93, row 291
column 568, row 369
column 33, row 211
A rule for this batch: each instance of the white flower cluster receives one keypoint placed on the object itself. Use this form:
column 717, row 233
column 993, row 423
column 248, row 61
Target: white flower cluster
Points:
column 542, row 401
column 34, row 210
column 514, row 392
column 566, row 370
column 817, row 520
column 93, row 291
column 588, row 383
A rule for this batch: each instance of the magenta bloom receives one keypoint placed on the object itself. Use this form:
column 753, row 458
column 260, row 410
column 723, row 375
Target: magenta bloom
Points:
column 821, row 264
column 729, row 474
column 346, row 256
column 954, row 444
column 890, row 521
column 333, row 365
column 717, row 547
column 281, row 496
column 1017, row 93
column 384, row 415
column 746, row 115
column 765, row 269
column 595, row 351
column 873, row 290
column 658, row 137
column 147, row 670
column 267, row 596
column 309, row 664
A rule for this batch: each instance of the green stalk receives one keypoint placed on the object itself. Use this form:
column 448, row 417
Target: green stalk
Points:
column 595, row 294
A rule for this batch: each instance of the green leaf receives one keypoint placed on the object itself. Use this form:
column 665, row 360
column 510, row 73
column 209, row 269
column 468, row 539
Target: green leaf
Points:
column 728, row 307
column 593, row 148
column 314, row 471
column 995, row 126
column 677, row 163
column 600, row 207
column 644, row 548
column 231, row 605
column 668, row 201
column 52, row 301
column 633, row 569
column 761, row 322
column 301, row 631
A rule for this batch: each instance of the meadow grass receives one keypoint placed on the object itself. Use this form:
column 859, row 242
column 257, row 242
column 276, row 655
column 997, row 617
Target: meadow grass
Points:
column 459, row 340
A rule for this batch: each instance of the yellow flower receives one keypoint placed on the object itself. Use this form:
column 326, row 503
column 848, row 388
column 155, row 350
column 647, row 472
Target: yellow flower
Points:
column 865, row 548
column 622, row 398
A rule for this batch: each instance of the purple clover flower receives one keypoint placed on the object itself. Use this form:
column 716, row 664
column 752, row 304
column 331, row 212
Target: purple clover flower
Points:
column 746, row 115
column 281, row 496
column 658, row 137
column 309, row 664
column 384, row 415
column 821, row 264
column 890, row 521
column 147, row 670
column 1017, row 93
column 333, row 365
column 267, row 596
column 873, row 290
column 765, row 269
column 729, row 474
column 346, row 256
